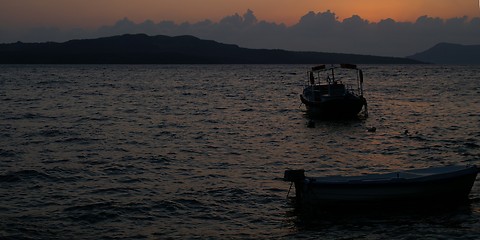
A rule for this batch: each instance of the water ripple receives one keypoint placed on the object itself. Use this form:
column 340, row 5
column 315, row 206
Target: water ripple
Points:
column 198, row 152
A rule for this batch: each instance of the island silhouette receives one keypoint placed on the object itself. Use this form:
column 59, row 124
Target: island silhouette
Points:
column 160, row 49
column 449, row 53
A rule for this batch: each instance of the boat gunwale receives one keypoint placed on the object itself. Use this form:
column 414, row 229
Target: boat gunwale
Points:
column 393, row 178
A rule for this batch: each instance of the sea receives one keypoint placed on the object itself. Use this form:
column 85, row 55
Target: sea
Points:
column 199, row 151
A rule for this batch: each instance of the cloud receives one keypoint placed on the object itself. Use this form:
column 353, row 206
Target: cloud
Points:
column 322, row 31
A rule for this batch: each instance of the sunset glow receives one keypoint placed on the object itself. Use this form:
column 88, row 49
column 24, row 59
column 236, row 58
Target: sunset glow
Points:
column 384, row 28
column 405, row 10
column 92, row 13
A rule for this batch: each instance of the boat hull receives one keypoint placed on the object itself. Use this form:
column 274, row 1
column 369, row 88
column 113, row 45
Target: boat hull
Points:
column 443, row 188
column 339, row 107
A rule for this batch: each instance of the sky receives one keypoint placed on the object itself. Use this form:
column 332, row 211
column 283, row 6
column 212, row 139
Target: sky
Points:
column 244, row 20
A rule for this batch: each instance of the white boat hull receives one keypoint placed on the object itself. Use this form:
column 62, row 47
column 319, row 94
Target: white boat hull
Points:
column 415, row 187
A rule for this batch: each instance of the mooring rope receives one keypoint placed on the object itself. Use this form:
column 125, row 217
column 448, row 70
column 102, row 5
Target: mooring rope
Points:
column 289, row 189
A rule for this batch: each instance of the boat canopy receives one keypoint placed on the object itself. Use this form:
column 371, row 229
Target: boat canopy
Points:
column 318, row 68
column 343, row 65
column 334, row 66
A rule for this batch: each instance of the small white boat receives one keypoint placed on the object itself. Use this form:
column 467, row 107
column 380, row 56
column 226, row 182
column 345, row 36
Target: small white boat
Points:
column 439, row 185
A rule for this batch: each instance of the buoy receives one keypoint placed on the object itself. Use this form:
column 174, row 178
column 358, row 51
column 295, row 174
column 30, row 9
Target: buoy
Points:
column 311, row 124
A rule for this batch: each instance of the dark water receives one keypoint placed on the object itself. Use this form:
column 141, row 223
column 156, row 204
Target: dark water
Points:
column 156, row 152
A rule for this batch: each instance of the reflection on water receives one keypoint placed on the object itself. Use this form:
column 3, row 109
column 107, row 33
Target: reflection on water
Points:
column 113, row 151
column 434, row 223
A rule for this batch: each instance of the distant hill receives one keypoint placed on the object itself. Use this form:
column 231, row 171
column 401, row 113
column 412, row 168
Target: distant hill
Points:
column 448, row 53
column 143, row 49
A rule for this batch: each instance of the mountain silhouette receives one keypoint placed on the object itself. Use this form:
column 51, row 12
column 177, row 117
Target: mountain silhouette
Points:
column 144, row 49
column 449, row 53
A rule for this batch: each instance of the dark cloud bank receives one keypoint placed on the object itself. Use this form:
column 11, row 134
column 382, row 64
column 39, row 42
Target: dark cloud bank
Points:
column 322, row 32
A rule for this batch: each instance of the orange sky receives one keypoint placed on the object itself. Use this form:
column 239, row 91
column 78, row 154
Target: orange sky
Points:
column 96, row 13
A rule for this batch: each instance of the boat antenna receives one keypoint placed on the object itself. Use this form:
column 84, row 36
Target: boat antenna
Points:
column 360, row 82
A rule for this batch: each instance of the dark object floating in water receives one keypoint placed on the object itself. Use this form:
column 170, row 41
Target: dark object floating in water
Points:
column 410, row 188
column 311, row 124
column 330, row 94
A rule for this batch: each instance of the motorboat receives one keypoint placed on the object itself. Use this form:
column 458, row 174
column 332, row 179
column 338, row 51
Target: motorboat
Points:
column 414, row 187
column 334, row 92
